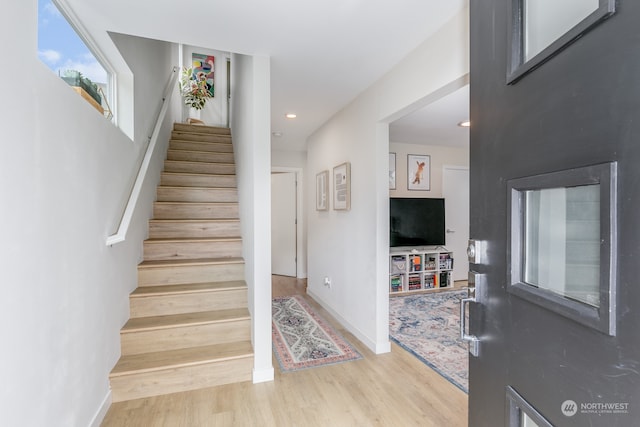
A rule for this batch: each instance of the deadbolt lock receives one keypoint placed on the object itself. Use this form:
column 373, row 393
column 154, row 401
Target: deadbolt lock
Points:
column 477, row 251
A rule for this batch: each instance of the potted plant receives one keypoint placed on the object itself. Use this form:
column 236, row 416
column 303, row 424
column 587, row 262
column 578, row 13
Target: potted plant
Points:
column 194, row 91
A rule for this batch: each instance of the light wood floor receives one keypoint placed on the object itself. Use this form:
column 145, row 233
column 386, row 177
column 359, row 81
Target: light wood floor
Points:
column 393, row 389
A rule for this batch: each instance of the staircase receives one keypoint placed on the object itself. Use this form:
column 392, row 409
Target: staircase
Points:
column 190, row 326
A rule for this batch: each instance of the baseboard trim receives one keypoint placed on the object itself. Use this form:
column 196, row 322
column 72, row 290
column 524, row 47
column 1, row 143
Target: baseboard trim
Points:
column 263, row 375
column 102, row 411
column 377, row 348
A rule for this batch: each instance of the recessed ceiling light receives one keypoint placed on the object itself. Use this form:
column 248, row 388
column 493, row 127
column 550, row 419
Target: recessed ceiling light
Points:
column 465, row 124
column 291, row 116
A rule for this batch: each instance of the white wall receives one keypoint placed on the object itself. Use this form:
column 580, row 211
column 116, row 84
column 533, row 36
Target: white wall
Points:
column 214, row 112
column 290, row 159
column 440, row 156
column 251, row 129
column 63, row 171
column 352, row 247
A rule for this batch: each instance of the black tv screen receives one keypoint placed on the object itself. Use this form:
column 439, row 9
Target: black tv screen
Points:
column 416, row 222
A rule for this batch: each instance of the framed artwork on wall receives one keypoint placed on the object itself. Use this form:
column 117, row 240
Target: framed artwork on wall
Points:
column 392, row 171
column 342, row 187
column 204, row 69
column 322, row 189
column 418, row 172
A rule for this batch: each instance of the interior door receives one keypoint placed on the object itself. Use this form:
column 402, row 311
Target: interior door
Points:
column 455, row 189
column 554, row 202
column 283, row 224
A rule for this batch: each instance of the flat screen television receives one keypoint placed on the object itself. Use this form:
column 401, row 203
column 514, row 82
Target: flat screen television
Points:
column 416, row 222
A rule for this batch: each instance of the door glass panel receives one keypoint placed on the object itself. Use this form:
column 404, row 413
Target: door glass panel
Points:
column 545, row 21
column 527, row 422
column 562, row 241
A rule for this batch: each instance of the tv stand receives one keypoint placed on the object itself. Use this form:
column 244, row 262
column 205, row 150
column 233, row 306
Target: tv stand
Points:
column 419, row 269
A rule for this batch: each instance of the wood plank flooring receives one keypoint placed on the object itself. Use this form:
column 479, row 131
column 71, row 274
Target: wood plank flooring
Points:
column 393, row 389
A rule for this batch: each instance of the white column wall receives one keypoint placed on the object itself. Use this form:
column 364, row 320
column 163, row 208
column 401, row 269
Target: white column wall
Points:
column 352, row 247
column 251, row 129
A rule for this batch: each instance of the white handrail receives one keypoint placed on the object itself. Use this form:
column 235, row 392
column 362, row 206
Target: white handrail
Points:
column 125, row 221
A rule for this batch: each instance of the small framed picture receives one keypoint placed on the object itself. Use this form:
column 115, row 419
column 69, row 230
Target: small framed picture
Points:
column 322, row 189
column 342, row 187
column 392, row 171
column 418, row 172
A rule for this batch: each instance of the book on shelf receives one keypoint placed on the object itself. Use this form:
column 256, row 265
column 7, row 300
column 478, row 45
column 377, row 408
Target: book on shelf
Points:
column 430, row 262
column 414, row 282
column 429, row 281
column 444, row 279
column 396, row 283
column 398, row 264
column 446, row 262
column 415, row 262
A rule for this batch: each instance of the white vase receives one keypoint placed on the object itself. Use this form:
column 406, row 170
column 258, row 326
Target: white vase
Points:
column 194, row 116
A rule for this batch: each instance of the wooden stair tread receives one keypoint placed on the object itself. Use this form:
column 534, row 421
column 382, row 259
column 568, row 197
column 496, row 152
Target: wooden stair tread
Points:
column 189, row 188
column 196, row 128
column 226, row 139
column 182, row 262
column 197, row 203
column 197, row 163
column 161, row 360
column 146, row 291
column 193, row 239
column 182, row 151
column 193, row 174
column 137, row 324
column 222, row 134
column 193, row 221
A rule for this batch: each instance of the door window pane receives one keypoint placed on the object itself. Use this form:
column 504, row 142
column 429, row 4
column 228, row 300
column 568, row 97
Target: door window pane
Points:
column 545, row 21
column 540, row 29
column 562, row 241
column 527, row 422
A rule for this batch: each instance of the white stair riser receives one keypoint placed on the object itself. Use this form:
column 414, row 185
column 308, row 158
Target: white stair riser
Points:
column 173, row 275
column 162, row 305
column 213, row 228
column 191, row 250
column 185, row 337
column 173, row 380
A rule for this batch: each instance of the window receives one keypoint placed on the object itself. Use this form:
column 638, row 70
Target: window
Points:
column 542, row 28
column 520, row 413
column 65, row 53
column 563, row 243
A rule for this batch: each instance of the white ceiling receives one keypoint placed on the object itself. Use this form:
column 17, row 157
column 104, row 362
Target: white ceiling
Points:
column 323, row 53
column 436, row 123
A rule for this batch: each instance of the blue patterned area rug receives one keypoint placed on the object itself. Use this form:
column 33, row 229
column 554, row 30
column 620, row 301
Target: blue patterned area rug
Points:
column 302, row 339
column 428, row 326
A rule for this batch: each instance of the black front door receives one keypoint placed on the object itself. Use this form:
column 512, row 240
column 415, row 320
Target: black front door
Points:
column 555, row 212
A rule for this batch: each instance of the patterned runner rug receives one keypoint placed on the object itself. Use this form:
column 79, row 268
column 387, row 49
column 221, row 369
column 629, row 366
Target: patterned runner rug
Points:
column 428, row 326
column 302, row 339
